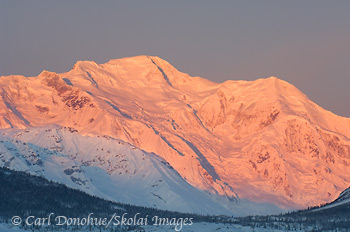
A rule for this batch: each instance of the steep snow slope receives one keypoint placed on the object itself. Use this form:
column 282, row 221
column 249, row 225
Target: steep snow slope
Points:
column 263, row 140
column 104, row 167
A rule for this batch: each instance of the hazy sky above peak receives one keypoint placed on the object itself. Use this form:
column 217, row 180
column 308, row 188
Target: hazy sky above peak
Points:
column 306, row 43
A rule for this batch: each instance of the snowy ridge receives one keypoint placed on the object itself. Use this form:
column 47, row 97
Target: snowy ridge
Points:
column 262, row 140
column 109, row 168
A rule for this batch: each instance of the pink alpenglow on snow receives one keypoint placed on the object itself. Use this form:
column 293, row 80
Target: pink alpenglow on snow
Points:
column 238, row 147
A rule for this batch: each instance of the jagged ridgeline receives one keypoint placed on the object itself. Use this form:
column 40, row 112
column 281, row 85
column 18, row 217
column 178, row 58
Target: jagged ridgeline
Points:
column 183, row 143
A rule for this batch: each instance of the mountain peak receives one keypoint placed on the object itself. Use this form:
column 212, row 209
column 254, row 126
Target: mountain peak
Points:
column 144, row 71
column 142, row 61
column 280, row 88
column 81, row 64
column 46, row 73
column 264, row 130
column 274, row 80
column 53, row 80
column 136, row 59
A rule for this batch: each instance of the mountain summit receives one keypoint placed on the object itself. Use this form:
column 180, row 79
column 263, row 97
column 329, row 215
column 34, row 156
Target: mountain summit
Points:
column 257, row 141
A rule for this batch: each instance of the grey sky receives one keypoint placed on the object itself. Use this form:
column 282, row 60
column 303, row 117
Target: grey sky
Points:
column 306, row 43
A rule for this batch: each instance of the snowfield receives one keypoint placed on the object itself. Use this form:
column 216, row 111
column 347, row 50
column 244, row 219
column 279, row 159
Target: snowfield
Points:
column 113, row 170
column 142, row 132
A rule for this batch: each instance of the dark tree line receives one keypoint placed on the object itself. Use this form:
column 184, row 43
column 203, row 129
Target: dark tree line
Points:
column 22, row 194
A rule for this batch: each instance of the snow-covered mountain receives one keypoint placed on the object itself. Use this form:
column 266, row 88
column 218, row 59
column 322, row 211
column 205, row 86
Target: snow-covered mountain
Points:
column 104, row 167
column 111, row 169
column 263, row 141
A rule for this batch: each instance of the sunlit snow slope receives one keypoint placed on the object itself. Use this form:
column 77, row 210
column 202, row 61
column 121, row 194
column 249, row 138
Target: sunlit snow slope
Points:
column 104, row 167
column 263, row 140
